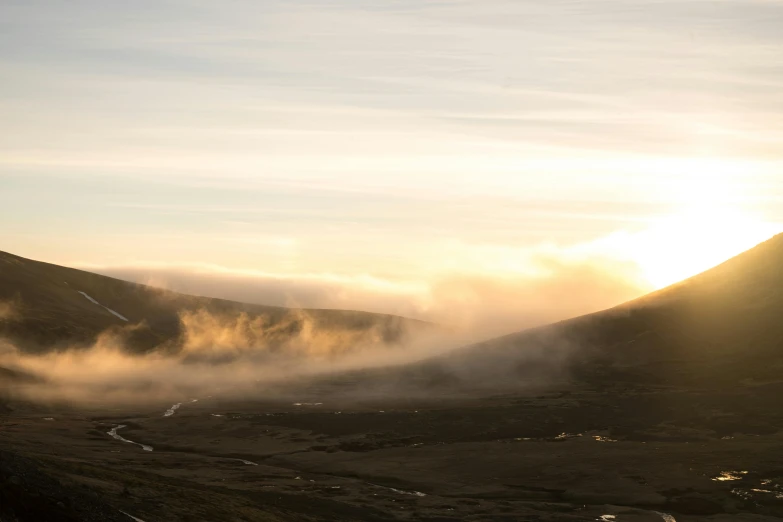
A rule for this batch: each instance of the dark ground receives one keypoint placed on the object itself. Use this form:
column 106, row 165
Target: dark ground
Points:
column 577, row 454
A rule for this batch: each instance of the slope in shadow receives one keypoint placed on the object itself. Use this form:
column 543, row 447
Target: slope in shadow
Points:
column 55, row 307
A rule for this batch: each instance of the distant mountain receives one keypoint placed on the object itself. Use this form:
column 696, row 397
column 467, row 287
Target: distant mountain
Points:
column 719, row 328
column 45, row 306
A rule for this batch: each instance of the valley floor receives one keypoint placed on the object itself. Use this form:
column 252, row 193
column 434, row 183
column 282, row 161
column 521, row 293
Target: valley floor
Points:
column 627, row 453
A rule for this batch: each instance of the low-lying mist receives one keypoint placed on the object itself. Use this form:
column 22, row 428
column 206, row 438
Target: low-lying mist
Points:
column 241, row 357
column 480, row 304
column 253, row 356
column 235, row 355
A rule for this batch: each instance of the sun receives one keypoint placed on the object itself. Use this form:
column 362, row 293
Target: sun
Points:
column 711, row 221
column 684, row 245
column 711, row 224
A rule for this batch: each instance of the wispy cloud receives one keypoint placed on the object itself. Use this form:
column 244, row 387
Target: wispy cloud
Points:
column 369, row 138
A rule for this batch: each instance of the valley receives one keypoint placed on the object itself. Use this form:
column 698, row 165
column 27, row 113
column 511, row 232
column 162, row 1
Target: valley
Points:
column 665, row 408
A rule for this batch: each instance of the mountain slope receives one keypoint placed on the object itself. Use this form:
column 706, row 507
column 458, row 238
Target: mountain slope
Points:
column 45, row 306
column 721, row 325
column 715, row 329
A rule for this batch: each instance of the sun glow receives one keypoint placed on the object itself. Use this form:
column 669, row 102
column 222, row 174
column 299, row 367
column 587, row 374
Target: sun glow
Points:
column 684, row 245
column 711, row 223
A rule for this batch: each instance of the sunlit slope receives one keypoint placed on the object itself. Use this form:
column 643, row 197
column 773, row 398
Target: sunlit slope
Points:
column 47, row 306
column 720, row 328
column 725, row 324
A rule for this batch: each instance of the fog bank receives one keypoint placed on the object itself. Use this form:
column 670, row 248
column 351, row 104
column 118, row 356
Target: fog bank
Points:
column 484, row 304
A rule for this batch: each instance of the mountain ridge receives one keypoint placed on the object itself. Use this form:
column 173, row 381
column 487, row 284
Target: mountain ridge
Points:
column 55, row 306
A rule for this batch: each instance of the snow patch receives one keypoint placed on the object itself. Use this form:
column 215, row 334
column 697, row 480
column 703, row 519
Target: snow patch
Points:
column 131, row 516
column 119, row 315
column 93, row 301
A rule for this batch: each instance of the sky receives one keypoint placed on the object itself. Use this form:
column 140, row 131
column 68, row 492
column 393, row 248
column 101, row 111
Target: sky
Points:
column 499, row 162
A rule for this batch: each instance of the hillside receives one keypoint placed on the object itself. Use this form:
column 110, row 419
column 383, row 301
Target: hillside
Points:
column 45, row 306
column 716, row 329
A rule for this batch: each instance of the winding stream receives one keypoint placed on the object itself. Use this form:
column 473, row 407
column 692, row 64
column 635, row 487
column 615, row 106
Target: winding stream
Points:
column 113, row 433
column 171, row 410
column 400, row 491
column 245, row 462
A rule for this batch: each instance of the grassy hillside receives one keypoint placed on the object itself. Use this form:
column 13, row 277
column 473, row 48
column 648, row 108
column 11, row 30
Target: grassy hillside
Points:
column 45, row 307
